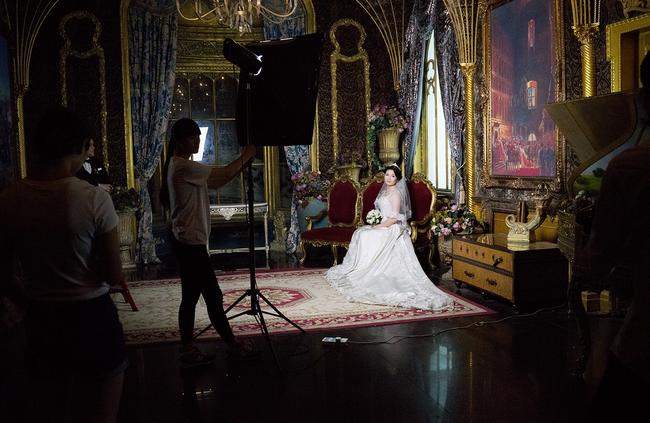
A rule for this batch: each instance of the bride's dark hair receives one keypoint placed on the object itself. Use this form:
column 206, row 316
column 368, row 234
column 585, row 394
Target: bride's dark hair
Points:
column 396, row 169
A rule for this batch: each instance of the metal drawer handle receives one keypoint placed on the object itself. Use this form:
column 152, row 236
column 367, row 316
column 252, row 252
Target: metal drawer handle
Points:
column 491, row 282
column 497, row 261
column 470, row 274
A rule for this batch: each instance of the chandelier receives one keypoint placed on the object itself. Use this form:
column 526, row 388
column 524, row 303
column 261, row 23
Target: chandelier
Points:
column 237, row 14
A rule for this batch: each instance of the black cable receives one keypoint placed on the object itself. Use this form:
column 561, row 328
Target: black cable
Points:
column 475, row 324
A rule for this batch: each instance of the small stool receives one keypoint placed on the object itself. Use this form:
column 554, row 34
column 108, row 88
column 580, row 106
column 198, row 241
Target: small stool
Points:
column 123, row 289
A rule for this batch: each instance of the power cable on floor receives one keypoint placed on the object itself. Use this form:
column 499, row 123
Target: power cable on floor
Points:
column 482, row 323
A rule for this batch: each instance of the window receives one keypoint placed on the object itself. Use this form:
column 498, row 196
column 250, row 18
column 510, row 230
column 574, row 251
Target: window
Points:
column 210, row 99
column 434, row 133
column 531, row 94
column 531, row 33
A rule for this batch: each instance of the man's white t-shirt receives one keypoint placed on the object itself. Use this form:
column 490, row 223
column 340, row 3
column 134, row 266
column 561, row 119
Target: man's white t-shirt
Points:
column 188, row 197
column 52, row 226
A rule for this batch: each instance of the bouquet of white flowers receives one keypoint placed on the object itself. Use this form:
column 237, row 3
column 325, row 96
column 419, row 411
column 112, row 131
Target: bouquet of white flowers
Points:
column 373, row 217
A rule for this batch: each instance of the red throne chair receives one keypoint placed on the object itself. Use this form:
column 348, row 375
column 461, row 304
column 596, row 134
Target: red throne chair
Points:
column 423, row 201
column 369, row 194
column 343, row 213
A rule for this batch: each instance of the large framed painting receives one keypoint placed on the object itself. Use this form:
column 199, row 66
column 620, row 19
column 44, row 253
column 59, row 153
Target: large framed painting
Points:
column 523, row 64
column 8, row 162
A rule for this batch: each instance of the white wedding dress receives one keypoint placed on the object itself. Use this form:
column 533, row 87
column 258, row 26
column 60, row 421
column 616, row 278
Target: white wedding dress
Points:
column 380, row 266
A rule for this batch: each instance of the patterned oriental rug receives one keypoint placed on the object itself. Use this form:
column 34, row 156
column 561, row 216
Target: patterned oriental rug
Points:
column 303, row 295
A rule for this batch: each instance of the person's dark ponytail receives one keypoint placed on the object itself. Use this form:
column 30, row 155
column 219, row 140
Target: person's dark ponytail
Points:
column 182, row 129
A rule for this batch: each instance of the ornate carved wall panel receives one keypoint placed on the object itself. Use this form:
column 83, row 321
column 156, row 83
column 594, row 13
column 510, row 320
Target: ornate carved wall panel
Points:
column 350, row 78
column 45, row 83
column 381, row 88
column 82, row 74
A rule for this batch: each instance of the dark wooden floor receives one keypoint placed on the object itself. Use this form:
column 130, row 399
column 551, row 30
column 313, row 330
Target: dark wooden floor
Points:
column 513, row 368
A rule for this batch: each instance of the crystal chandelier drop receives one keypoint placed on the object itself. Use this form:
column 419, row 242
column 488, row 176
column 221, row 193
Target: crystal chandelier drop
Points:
column 237, row 14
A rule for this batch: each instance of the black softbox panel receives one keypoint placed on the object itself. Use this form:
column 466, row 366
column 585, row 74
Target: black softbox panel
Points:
column 283, row 95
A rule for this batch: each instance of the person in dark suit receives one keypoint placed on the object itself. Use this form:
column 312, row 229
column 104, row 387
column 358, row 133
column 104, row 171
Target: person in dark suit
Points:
column 94, row 172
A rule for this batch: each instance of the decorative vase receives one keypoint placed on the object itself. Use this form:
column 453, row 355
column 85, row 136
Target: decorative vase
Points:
column 313, row 208
column 126, row 229
column 388, row 145
column 444, row 248
column 353, row 171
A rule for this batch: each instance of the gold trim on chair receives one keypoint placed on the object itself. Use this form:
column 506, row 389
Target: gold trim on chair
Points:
column 346, row 178
column 428, row 218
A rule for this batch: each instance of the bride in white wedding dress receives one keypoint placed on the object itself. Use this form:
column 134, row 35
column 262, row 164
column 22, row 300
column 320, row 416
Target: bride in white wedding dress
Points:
column 380, row 266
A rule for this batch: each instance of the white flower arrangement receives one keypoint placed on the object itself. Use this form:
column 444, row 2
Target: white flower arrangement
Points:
column 373, row 217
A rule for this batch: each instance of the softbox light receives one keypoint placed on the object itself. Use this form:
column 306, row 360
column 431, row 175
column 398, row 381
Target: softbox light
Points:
column 242, row 57
column 283, row 95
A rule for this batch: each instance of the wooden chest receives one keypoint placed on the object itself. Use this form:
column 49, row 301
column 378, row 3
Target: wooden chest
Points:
column 530, row 275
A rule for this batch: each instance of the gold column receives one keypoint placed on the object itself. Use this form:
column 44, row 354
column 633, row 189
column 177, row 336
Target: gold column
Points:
column 586, row 19
column 22, row 154
column 465, row 16
column 25, row 21
column 468, row 79
column 126, row 95
column 272, row 178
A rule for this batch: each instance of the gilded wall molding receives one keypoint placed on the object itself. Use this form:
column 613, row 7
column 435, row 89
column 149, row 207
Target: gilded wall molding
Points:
column 310, row 28
column 338, row 56
column 200, row 48
column 95, row 51
column 126, row 89
column 615, row 32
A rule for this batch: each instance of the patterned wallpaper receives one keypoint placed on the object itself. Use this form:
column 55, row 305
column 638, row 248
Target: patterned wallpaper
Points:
column 45, row 87
column 381, row 84
column 44, row 90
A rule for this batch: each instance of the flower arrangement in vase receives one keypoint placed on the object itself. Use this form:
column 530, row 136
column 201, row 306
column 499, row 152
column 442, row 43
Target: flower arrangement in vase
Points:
column 309, row 184
column 382, row 118
column 454, row 219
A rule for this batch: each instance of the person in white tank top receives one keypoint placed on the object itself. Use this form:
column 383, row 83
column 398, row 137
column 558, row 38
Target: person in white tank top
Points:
column 61, row 232
column 185, row 193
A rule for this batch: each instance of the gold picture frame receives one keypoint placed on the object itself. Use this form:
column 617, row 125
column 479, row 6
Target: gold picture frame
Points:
column 523, row 45
column 627, row 43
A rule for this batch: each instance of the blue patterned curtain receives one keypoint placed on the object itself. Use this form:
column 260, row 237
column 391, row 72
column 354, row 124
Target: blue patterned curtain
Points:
column 152, row 64
column 297, row 155
column 431, row 16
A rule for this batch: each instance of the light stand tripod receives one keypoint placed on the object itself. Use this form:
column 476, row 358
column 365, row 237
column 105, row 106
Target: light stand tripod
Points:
column 253, row 291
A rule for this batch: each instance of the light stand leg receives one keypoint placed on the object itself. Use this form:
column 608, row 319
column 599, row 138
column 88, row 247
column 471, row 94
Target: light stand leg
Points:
column 254, row 293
